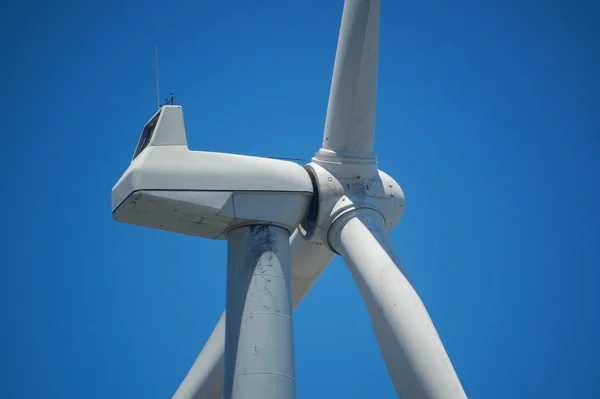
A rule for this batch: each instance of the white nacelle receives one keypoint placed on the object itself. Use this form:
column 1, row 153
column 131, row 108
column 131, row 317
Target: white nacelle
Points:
column 205, row 194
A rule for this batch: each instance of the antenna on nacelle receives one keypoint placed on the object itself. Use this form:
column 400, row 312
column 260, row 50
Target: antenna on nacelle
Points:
column 169, row 100
column 157, row 85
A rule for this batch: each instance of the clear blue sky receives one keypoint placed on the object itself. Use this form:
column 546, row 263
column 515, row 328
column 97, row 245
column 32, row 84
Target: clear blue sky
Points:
column 488, row 117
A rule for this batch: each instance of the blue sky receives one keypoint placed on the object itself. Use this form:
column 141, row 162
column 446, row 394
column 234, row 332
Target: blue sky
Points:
column 487, row 117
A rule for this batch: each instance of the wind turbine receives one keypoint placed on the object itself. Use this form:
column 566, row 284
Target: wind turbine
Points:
column 284, row 224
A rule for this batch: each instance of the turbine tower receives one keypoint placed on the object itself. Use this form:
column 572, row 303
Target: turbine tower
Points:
column 284, row 224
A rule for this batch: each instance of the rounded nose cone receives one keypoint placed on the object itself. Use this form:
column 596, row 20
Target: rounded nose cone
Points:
column 400, row 202
column 397, row 197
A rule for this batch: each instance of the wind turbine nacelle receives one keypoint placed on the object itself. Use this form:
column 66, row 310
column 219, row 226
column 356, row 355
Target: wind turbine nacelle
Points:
column 205, row 194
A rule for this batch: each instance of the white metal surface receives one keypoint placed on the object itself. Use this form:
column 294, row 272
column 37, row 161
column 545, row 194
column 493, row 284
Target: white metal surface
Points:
column 350, row 118
column 413, row 352
column 339, row 189
column 309, row 261
column 259, row 344
column 205, row 379
column 345, row 204
column 169, row 187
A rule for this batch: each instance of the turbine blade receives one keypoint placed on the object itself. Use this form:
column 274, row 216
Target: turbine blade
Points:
column 411, row 348
column 309, row 261
column 206, row 377
column 350, row 121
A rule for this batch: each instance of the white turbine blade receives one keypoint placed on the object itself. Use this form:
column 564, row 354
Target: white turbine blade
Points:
column 350, row 122
column 206, row 378
column 309, row 261
column 412, row 350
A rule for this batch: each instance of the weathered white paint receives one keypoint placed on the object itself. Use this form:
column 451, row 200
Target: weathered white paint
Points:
column 259, row 344
column 206, row 377
column 205, row 194
column 222, row 193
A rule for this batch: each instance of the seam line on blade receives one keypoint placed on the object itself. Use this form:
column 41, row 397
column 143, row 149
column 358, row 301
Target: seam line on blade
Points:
column 268, row 372
column 269, row 275
column 273, row 313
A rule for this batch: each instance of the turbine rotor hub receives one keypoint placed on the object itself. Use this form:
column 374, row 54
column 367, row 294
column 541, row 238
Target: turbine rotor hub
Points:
column 342, row 186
